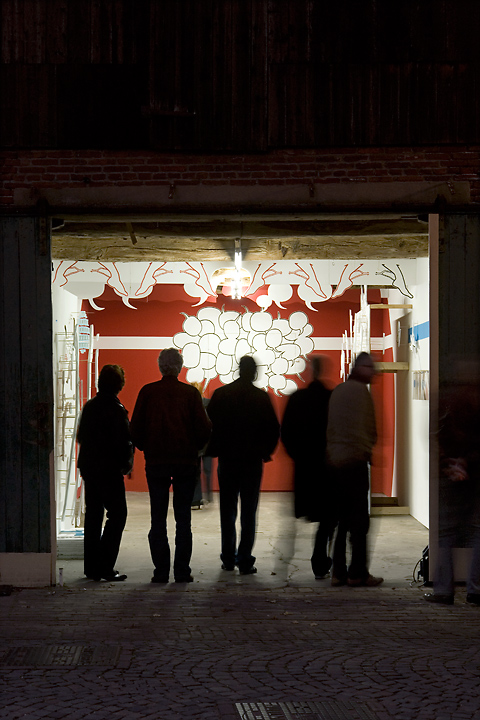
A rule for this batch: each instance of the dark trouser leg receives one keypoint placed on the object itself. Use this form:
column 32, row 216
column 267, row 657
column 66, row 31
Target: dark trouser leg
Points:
column 350, row 487
column 341, row 511
column 229, row 489
column 354, row 488
column 183, row 479
column 159, row 480
column 326, row 515
column 339, row 568
column 358, row 538
column 116, row 507
column 94, row 510
column 249, row 492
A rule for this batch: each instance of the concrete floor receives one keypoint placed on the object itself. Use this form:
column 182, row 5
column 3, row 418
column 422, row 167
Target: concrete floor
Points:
column 283, row 547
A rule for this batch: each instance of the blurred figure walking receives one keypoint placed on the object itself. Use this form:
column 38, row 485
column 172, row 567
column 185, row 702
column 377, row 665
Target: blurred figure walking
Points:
column 459, row 481
column 304, row 434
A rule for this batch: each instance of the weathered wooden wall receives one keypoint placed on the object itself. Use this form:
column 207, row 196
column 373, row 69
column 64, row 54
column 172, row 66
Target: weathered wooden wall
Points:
column 459, row 293
column 238, row 75
column 26, row 397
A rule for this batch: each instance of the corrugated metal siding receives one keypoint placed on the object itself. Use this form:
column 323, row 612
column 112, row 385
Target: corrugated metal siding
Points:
column 238, row 75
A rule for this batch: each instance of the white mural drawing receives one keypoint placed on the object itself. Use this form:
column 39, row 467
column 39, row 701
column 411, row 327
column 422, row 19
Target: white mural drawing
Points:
column 213, row 341
column 271, row 282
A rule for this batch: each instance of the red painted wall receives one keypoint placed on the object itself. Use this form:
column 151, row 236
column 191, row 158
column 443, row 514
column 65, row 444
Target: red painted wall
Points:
column 161, row 315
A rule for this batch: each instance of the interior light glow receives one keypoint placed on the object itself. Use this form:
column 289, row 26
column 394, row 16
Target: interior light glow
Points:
column 237, row 279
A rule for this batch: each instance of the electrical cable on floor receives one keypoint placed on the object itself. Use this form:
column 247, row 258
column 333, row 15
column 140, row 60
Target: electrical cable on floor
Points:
column 415, row 581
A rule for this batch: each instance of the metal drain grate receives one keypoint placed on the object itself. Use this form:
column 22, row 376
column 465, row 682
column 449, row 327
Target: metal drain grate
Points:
column 304, row 711
column 58, row 655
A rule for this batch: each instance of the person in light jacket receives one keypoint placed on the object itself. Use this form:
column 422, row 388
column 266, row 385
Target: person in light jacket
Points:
column 351, row 436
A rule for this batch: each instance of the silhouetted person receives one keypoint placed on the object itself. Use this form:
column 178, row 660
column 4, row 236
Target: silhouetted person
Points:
column 351, row 435
column 459, row 482
column 105, row 456
column 170, row 426
column 245, row 434
column 304, row 434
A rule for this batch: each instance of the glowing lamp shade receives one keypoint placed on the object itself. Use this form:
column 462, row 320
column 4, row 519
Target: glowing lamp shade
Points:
column 233, row 280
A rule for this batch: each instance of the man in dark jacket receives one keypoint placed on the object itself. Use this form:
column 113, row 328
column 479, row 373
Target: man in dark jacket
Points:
column 105, row 456
column 304, row 434
column 170, row 425
column 245, row 434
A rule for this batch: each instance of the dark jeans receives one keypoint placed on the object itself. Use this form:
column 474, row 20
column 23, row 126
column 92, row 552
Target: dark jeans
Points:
column 350, row 485
column 238, row 478
column 182, row 479
column 103, row 493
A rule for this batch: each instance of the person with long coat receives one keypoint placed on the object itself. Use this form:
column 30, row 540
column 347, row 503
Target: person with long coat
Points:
column 304, row 435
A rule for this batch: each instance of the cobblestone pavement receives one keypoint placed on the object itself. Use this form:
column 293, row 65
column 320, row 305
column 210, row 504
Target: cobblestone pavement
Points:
column 133, row 651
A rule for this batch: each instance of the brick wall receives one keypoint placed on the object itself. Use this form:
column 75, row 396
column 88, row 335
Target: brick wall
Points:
column 75, row 169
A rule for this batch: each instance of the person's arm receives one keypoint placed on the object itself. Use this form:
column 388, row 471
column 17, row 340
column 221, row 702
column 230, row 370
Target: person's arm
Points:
column 124, row 441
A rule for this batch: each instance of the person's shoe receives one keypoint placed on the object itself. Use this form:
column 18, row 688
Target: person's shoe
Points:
column 439, row 598
column 184, row 579
column 369, row 581
column 161, row 579
column 473, row 599
column 225, row 566
column 248, row 571
column 115, row 577
column 338, row 581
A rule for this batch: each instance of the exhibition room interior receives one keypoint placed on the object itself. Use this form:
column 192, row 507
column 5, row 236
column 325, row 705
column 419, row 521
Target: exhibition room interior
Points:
column 218, row 287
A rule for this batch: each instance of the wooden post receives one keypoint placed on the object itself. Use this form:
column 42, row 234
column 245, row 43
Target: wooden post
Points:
column 26, row 403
